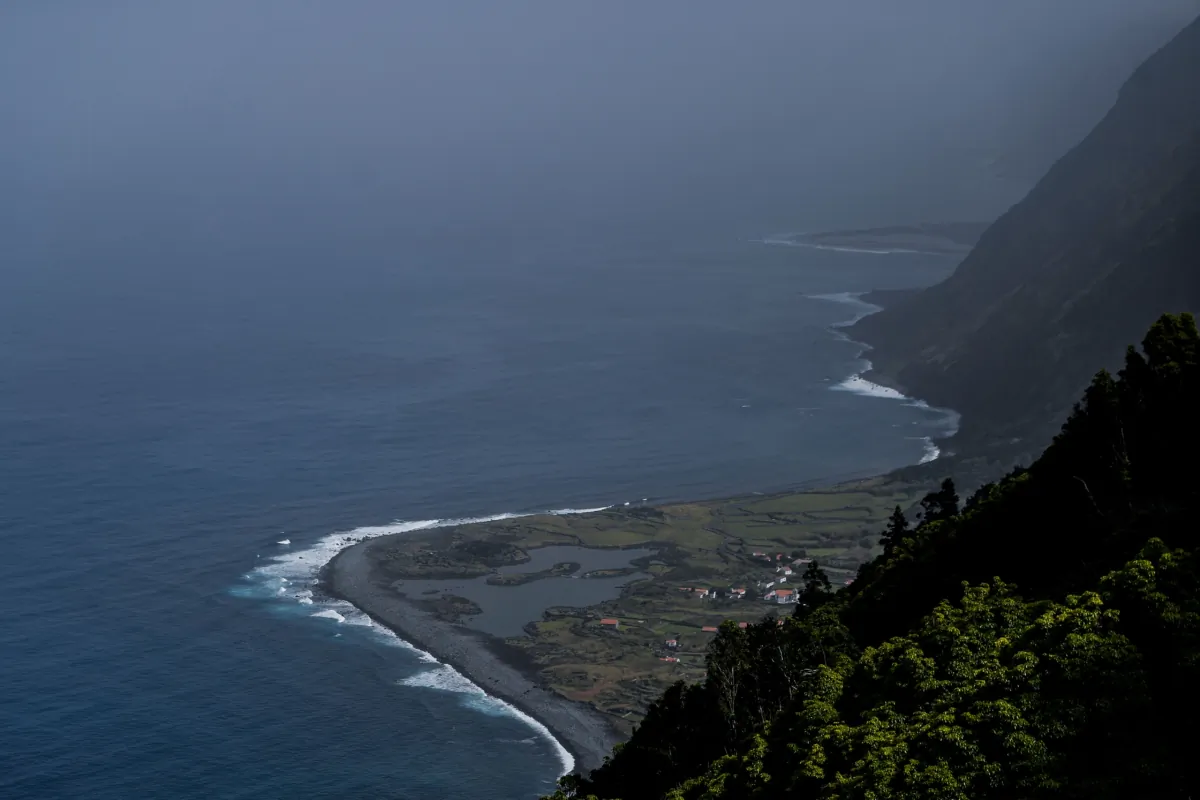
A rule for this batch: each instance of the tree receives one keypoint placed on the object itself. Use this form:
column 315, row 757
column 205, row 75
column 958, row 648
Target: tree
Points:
column 817, row 588
column 657, row 756
column 940, row 505
column 979, row 496
column 897, row 528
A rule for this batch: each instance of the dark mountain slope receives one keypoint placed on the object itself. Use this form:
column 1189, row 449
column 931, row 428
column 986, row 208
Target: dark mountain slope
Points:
column 1104, row 243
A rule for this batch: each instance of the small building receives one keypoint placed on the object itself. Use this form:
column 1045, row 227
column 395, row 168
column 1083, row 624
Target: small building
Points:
column 780, row 623
column 785, row 596
column 670, row 659
column 779, row 556
column 849, row 581
column 685, row 588
column 609, row 622
column 743, row 625
column 672, row 643
column 800, row 561
column 737, row 594
column 759, row 555
column 709, row 629
column 787, row 570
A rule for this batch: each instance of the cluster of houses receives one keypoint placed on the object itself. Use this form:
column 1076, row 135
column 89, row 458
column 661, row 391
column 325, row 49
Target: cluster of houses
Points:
column 732, row 594
column 778, row 558
column 773, row 591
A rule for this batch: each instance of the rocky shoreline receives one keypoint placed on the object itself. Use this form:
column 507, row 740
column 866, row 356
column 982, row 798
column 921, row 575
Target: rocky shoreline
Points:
column 585, row 732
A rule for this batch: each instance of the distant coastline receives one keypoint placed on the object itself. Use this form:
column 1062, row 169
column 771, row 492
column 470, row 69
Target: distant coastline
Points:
column 933, row 238
column 867, row 382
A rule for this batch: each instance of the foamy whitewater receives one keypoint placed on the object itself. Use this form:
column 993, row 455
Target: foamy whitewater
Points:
column 292, row 577
column 857, row 384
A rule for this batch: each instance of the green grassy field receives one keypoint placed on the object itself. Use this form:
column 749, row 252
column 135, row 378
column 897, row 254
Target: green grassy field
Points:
column 706, row 545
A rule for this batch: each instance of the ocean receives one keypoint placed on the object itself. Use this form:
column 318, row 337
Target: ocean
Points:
column 160, row 439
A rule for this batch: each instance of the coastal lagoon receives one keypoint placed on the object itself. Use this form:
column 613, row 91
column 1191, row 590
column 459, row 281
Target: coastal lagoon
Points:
column 506, row 610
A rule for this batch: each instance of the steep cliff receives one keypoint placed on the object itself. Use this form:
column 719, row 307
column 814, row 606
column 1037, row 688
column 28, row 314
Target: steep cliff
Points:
column 1103, row 244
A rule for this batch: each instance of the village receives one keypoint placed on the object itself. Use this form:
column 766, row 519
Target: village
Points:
column 691, row 568
column 782, row 586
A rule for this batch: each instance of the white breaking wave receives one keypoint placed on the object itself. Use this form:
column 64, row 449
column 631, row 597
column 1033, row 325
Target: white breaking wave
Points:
column 445, row 678
column 932, row 451
column 304, row 567
column 857, row 384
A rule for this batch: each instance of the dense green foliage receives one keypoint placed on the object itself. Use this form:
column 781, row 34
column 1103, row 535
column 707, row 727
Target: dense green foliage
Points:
column 1041, row 641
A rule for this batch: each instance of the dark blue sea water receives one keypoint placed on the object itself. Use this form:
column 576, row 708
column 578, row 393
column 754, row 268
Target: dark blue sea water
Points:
column 158, row 437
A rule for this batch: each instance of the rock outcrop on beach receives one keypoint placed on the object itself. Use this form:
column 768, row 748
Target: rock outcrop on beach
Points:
column 1103, row 244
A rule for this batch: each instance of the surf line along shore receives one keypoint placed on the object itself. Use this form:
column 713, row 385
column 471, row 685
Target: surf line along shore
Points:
column 585, row 732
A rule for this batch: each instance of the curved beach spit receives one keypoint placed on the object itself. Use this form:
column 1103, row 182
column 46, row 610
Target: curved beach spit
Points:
column 583, row 731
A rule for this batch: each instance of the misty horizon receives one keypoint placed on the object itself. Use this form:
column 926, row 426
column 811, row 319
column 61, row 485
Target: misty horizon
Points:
column 375, row 119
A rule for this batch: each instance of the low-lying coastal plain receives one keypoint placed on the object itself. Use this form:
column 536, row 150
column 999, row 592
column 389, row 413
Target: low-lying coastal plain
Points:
column 582, row 620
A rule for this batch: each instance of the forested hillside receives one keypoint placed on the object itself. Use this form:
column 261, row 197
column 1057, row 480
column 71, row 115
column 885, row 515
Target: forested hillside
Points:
column 1040, row 639
column 1104, row 243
